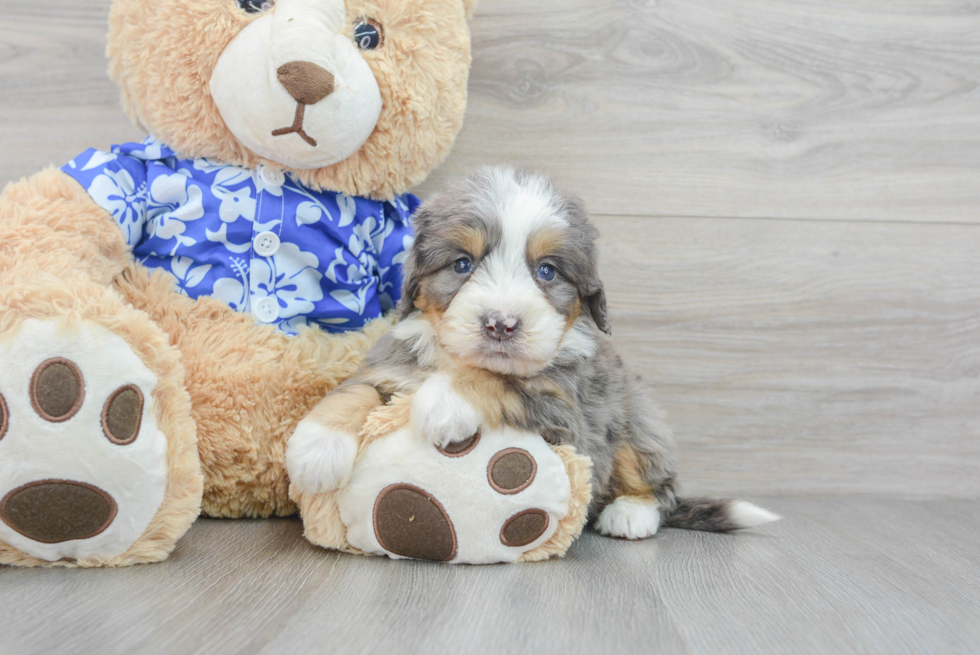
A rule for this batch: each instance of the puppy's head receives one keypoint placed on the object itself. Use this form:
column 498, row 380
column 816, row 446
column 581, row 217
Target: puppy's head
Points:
column 504, row 271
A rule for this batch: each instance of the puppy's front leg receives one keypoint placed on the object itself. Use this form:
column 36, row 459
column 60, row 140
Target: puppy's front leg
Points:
column 320, row 453
column 442, row 415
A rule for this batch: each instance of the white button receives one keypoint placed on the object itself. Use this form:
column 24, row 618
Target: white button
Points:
column 266, row 310
column 266, row 244
column 271, row 176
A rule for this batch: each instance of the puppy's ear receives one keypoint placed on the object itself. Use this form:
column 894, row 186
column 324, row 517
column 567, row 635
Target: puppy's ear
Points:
column 410, row 286
column 595, row 303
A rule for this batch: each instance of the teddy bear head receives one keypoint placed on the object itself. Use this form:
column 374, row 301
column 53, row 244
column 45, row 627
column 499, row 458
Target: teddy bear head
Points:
column 363, row 97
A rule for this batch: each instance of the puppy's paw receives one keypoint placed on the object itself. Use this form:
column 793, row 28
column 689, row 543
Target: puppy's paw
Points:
column 441, row 415
column 319, row 459
column 629, row 517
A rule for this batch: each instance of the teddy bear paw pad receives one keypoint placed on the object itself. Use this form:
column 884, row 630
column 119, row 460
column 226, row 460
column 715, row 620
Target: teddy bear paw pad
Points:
column 410, row 522
column 489, row 498
column 83, row 467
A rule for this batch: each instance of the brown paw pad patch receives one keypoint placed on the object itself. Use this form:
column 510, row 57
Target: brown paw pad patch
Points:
column 511, row 470
column 57, row 390
column 410, row 522
column 460, row 448
column 122, row 415
column 524, row 527
column 4, row 416
column 53, row 511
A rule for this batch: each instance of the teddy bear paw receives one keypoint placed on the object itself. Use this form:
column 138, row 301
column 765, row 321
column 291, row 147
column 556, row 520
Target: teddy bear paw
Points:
column 83, row 467
column 441, row 415
column 318, row 459
column 489, row 498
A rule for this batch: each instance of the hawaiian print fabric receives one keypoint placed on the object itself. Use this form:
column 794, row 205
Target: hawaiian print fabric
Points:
column 255, row 239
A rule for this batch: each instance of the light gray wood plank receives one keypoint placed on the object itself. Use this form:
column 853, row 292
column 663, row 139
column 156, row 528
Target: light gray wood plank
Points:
column 838, row 575
column 805, row 356
column 797, row 108
column 57, row 99
column 801, row 108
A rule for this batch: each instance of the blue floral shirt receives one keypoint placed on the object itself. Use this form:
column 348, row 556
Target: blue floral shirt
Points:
column 255, row 239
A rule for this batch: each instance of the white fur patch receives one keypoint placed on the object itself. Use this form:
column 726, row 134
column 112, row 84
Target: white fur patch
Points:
column 477, row 512
column 318, row 459
column 578, row 343
column 629, row 518
column 747, row 515
column 77, row 450
column 440, row 415
column 420, row 336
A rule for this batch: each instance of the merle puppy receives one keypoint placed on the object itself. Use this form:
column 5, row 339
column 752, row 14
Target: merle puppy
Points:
column 503, row 320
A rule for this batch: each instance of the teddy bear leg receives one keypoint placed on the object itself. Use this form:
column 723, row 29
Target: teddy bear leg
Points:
column 98, row 457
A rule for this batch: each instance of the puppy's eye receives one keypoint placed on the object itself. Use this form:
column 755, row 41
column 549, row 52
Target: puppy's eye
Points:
column 463, row 266
column 255, row 6
column 546, row 272
column 368, row 34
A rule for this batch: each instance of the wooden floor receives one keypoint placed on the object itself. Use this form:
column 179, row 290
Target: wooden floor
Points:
column 789, row 196
column 837, row 576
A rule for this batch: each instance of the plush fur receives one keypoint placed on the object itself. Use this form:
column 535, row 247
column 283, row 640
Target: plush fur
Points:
column 49, row 290
column 229, row 392
column 321, row 514
column 504, row 322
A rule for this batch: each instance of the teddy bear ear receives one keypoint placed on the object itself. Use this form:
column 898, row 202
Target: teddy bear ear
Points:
column 469, row 6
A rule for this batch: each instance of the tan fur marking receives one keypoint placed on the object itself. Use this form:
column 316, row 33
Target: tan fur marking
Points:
column 469, row 239
column 488, row 393
column 433, row 315
column 628, row 474
column 431, row 309
column 545, row 242
column 547, row 386
column 573, row 314
column 346, row 409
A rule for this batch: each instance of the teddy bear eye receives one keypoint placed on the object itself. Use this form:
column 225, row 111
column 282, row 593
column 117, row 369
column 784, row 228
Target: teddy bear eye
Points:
column 368, row 34
column 255, row 6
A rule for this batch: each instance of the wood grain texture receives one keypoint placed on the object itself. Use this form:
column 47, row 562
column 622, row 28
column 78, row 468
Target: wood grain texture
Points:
column 755, row 108
column 837, row 576
column 805, row 356
column 802, row 108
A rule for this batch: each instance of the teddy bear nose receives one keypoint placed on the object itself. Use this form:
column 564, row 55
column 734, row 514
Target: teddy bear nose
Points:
column 305, row 81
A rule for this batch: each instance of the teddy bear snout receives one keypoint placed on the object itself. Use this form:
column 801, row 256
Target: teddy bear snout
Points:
column 307, row 82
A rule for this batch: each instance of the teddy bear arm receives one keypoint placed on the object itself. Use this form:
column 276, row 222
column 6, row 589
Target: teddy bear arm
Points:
column 50, row 225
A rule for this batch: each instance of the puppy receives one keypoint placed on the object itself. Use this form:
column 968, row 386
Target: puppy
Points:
column 503, row 321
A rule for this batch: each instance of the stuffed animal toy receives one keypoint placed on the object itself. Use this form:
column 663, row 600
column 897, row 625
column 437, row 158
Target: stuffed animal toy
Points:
column 502, row 495
column 171, row 309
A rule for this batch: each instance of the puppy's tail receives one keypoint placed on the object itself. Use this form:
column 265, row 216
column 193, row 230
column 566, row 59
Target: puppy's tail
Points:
column 717, row 515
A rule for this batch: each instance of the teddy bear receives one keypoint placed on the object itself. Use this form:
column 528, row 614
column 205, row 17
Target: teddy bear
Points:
column 171, row 309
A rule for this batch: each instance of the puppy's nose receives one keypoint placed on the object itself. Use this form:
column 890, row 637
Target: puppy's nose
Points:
column 500, row 327
column 305, row 81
